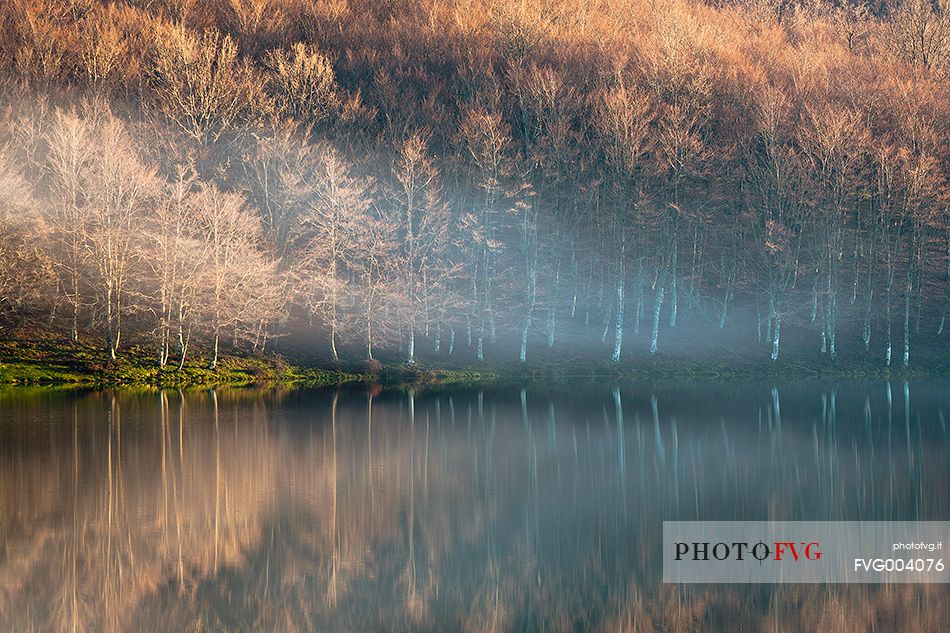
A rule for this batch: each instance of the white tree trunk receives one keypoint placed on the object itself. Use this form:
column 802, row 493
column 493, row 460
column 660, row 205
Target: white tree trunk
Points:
column 618, row 324
column 774, row 325
column 523, row 351
column 214, row 353
column 906, row 357
column 657, row 306
column 887, row 316
column 674, row 295
column 638, row 315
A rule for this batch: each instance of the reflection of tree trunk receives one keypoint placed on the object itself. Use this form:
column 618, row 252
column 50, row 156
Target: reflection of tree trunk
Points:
column 217, row 480
column 73, row 585
column 369, row 451
column 175, row 498
column 411, row 527
column 334, row 526
column 108, row 608
column 163, row 420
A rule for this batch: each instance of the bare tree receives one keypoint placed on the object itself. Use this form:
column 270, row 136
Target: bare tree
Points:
column 303, row 83
column 230, row 236
column 832, row 140
column 776, row 209
column 202, row 85
column 274, row 168
column 764, row 163
column 175, row 261
column 920, row 33
column 102, row 45
column 487, row 141
column 119, row 190
column 70, row 153
column 624, row 122
column 26, row 273
column 328, row 237
column 422, row 226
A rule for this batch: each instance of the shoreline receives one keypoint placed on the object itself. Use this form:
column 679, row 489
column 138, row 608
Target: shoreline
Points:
column 52, row 362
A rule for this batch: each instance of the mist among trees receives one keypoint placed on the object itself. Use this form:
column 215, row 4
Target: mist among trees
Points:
column 477, row 180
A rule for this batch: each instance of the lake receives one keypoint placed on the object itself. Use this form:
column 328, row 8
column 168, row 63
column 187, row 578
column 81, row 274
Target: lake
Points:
column 449, row 509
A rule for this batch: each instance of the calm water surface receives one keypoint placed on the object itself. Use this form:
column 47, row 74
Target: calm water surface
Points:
column 503, row 509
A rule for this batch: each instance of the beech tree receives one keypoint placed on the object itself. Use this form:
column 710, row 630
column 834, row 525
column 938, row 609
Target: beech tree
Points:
column 624, row 121
column 423, row 232
column 26, row 274
column 832, row 139
column 176, row 260
column 328, row 238
column 201, row 85
column 236, row 271
column 303, row 83
column 118, row 190
column 102, row 45
column 920, row 33
column 776, row 208
column 276, row 169
column 214, row 174
column 70, row 152
column 487, row 142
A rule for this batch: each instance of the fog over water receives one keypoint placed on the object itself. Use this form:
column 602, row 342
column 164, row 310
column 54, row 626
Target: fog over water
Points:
column 503, row 509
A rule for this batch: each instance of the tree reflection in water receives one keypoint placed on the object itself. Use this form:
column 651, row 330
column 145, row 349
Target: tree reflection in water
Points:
column 447, row 509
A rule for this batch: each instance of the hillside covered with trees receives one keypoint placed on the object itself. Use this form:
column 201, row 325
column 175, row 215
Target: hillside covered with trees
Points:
column 471, row 180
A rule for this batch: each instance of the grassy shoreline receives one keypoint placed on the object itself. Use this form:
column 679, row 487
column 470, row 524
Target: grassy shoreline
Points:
column 53, row 361
column 47, row 358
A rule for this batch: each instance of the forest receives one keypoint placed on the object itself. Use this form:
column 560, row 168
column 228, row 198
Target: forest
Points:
column 477, row 180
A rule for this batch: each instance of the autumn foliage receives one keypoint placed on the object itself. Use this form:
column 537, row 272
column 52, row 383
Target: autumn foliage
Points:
column 443, row 178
